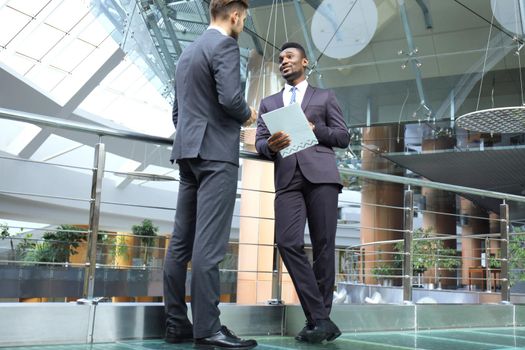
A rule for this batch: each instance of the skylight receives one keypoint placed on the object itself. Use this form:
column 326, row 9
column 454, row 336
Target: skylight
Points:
column 57, row 45
column 128, row 98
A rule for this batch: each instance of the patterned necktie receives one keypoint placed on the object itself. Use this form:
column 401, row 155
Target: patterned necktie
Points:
column 293, row 90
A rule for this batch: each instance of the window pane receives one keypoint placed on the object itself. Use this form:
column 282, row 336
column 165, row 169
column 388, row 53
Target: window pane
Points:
column 41, row 40
column 12, row 21
column 29, row 7
column 67, row 15
column 70, row 56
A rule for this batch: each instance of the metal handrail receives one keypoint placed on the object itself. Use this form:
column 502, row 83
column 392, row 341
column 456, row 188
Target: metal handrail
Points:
column 100, row 131
column 104, row 131
column 431, row 184
column 408, row 206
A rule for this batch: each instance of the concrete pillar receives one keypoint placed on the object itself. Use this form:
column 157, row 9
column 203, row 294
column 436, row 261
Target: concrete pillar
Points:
column 256, row 236
column 442, row 202
column 471, row 247
column 376, row 219
column 124, row 258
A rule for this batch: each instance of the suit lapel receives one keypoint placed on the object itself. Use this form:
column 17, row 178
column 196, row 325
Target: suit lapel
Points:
column 279, row 99
column 307, row 96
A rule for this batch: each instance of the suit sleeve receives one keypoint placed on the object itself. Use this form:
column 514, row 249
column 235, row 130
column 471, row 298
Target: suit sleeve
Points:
column 262, row 134
column 335, row 132
column 227, row 73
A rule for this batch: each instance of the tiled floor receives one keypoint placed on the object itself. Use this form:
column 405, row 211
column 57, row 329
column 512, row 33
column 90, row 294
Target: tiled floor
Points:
column 460, row 339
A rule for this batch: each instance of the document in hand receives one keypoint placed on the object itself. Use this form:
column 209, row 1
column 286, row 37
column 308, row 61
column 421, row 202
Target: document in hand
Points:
column 292, row 121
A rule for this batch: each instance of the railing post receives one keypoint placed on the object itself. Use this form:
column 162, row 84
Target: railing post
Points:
column 504, row 230
column 94, row 216
column 277, row 279
column 488, row 282
column 408, row 226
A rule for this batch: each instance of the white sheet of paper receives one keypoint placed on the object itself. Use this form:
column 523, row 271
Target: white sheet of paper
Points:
column 291, row 120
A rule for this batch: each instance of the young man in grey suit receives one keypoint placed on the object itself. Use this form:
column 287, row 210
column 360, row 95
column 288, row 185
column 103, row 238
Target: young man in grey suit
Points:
column 208, row 111
column 307, row 184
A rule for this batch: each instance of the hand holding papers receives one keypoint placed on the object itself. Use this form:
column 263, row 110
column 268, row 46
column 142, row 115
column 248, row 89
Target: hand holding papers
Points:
column 292, row 121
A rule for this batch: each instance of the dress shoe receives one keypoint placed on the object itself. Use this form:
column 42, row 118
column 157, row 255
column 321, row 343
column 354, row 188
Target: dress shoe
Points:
column 224, row 339
column 301, row 336
column 179, row 334
column 323, row 330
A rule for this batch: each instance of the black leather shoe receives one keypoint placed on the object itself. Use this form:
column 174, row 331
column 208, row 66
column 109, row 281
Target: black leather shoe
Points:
column 301, row 336
column 224, row 339
column 179, row 334
column 323, row 330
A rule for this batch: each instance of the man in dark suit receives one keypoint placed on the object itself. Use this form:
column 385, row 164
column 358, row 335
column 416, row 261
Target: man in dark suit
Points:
column 307, row 184
column 208, row 112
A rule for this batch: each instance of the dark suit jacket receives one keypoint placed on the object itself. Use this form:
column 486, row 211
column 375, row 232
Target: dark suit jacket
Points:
column 209, row 106
column 317, row 163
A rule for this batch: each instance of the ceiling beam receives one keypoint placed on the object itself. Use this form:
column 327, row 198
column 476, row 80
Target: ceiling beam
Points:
column 67, row 110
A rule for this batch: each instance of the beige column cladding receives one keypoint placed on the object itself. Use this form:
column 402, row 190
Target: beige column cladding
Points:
column 256, row 236
column 473, row 222
column 378, row 217
column 438, row 201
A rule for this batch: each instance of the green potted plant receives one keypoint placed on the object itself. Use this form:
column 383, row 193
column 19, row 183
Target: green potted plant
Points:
column 57, row 246
column 517, row 256
column 494, row 262
column 147, row 232
column 113, row 245
column 383, row 269
column 4, row 234
column 428, row 253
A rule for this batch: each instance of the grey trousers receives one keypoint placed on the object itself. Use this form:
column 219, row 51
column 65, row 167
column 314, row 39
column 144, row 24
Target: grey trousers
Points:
column 202, row 227
column 300, row 200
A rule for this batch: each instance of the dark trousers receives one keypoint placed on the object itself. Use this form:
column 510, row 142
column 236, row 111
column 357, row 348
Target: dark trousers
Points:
column 300, row 200
column 202, row 227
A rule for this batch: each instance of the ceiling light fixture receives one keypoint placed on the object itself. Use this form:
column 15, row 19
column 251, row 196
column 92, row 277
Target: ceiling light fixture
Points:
column 505, row 119
column 339, row 34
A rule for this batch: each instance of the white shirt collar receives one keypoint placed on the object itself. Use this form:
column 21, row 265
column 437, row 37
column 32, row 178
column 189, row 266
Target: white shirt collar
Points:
column 221, row 30
column 301, row 86
column 299, row 94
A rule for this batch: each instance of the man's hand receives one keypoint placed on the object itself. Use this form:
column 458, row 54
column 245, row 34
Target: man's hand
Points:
column 252, row 119
column 278, row 141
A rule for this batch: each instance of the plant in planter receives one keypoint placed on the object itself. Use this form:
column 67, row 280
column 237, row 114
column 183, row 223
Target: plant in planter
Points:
column 4, row 231
column 148, row 232
column 57, row 246
column 443, row 132
column 113, row 245
column 24, row 246
column 5, row 234
column 383, row 269
column 517, row 256
column 428, row 254
column 494, row 262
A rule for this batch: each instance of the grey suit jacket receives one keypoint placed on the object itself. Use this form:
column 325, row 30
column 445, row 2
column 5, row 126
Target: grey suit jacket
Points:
column 209, row 106
column 317, row 163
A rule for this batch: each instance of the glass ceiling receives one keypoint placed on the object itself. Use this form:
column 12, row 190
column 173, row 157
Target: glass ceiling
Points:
column 390, row 62
column 374, row 53
column 58, row 45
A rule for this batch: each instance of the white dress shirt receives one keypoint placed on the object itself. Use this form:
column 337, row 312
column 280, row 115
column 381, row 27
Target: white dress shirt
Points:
column 223, row 32
column 299, row 94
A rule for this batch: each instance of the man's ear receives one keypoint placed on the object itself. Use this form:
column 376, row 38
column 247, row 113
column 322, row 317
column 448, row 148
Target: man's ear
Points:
column 305, row 62
column 234, row 17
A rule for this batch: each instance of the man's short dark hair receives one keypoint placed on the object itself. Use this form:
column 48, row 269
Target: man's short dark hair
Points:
column 222, row 8
column 293, row 45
